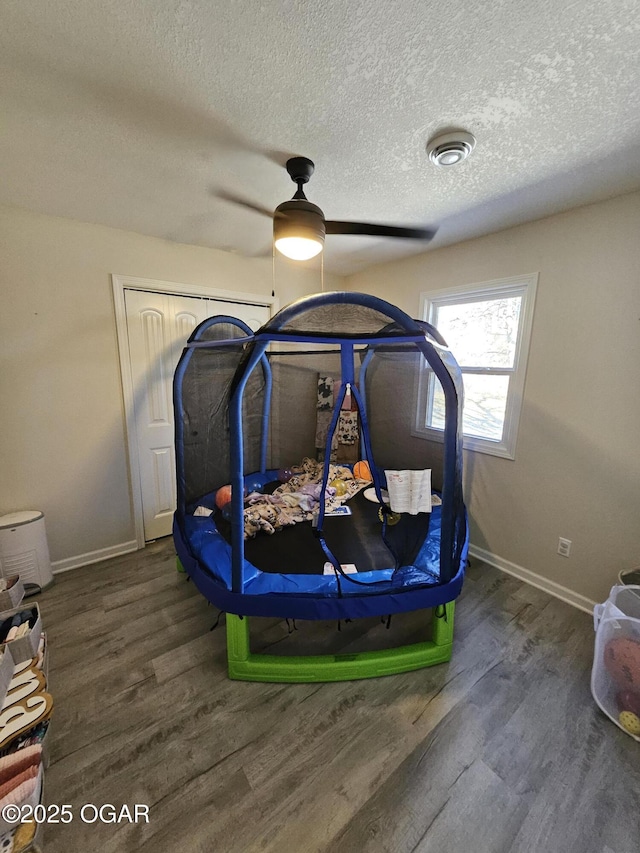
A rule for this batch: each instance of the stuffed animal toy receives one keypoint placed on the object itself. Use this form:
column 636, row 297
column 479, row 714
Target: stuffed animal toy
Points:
column 622, row 660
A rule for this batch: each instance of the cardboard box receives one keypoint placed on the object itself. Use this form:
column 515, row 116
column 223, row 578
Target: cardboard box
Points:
column 26, row 647
column 13, row 595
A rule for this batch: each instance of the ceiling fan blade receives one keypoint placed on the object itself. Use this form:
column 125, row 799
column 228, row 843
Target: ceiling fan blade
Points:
column 368, row 229
column 265, row 252
column 243, row 202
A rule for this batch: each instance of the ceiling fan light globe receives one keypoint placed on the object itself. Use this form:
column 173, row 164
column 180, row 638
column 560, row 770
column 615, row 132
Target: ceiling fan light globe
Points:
column 299, row 248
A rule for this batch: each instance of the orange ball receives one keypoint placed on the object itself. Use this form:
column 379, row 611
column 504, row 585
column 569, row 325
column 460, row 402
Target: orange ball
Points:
column 223, row 496
column 361, row 471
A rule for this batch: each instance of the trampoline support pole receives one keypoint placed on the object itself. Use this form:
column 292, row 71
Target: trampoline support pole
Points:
column 245, row 666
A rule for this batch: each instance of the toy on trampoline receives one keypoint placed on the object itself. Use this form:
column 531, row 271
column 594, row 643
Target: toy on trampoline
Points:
column 302, row 493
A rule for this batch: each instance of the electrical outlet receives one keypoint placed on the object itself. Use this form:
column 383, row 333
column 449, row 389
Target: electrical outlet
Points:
column 564, row 547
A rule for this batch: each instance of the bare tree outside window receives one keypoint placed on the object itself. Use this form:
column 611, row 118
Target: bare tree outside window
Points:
column 485, row 327
column 483, row 337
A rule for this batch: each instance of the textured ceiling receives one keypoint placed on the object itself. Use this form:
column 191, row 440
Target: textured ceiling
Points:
column 138, row 114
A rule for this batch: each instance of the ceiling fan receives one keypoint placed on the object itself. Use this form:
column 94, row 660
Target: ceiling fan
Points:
column 299, row 226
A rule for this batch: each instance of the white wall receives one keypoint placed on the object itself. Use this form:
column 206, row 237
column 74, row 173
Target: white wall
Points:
column 577, row 468
column 62, row 439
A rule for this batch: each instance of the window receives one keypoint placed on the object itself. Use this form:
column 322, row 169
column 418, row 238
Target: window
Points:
column 487, row 327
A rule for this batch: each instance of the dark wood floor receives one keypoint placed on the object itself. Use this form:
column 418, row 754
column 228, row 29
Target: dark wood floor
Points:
column 500, row 751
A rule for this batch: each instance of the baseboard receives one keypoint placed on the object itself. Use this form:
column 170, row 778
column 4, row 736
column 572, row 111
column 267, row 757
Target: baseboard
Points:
column 540, row 582
column 93, row 557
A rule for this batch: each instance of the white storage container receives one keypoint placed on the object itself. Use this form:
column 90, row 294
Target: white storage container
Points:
column 615, row 678
column 23, row 547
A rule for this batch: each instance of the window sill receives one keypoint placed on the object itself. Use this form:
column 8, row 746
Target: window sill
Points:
column 477, row 445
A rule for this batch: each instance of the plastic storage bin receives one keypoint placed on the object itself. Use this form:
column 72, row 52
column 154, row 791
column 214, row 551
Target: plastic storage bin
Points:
column 23, row 547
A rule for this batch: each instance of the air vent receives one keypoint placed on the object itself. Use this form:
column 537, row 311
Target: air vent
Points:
column 449, row 149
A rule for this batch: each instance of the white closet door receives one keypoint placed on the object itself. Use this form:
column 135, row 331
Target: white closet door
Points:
column 253, row 315
column 158, row 326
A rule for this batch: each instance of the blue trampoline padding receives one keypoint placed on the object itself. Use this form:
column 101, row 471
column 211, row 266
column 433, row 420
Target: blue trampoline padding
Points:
column 214, row 553
column 206, row 556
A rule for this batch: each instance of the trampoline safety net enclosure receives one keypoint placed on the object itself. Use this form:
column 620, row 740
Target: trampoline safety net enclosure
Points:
column 308, row 421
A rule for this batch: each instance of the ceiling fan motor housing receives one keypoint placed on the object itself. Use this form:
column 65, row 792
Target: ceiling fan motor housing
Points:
column 298, row 218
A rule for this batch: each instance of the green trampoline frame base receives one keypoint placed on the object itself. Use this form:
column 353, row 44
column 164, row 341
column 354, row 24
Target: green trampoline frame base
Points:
column 247, row 666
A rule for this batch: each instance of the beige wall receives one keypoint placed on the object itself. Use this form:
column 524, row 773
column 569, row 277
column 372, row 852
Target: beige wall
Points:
column 577, row 468
column 62, row 439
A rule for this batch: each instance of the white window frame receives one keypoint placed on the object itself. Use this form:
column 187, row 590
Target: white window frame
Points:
column 522, row 285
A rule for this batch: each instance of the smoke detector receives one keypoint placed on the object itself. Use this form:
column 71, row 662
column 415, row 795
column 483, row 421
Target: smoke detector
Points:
column 449, row 149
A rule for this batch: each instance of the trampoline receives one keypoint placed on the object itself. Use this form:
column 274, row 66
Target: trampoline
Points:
column 309, row 420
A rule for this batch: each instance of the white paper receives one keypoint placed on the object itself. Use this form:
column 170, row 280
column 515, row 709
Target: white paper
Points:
column 409, row 491
column 347, row 568
column 203, row 510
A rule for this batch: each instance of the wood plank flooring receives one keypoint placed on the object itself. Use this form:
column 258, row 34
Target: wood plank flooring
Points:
column 502, row 750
